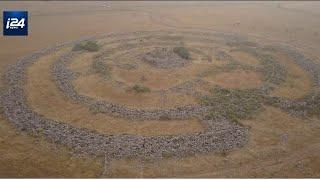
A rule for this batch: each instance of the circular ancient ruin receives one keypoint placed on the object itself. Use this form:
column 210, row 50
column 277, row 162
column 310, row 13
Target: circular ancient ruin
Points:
column 159, row 76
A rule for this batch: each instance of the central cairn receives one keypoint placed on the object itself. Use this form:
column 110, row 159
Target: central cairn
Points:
column 164, row 57
column 220, row 109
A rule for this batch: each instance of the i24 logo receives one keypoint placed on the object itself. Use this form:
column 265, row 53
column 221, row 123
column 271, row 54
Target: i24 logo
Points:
column 15, row 23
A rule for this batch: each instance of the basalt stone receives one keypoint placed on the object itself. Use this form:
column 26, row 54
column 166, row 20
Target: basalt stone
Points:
column 218, row 134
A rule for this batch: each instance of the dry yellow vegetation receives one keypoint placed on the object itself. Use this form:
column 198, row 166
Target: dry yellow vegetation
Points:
column 298, row 82
column 46, row 99
column 279, row 146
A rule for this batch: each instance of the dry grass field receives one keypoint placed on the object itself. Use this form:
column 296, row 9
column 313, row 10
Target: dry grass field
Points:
column 279, row 144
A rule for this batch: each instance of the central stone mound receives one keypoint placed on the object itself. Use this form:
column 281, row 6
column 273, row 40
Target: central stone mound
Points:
column 167, row 57
column 219, row 109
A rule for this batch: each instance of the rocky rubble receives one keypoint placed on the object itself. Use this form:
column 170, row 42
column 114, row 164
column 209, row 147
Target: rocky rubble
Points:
column 220, row 134
column 63, row 78
column 223, row 135
column 164, row 58
column 305, row 63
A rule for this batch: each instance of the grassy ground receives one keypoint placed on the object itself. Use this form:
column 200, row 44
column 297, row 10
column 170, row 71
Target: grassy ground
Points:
column 298, row 82
column 45, row 98
column 279, row 146
column 25, row 156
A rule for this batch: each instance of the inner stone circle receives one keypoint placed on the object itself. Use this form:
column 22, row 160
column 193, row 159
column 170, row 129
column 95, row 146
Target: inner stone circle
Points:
column 219, row 109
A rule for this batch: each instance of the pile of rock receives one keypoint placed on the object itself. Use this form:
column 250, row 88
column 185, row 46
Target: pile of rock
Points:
column 223, row 56
column 164, row 57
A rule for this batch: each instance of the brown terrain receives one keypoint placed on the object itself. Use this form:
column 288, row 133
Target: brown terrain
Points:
column 280, row 145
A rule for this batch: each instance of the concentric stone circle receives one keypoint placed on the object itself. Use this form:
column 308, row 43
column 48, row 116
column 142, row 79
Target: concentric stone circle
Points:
column 64, row 76
column 219, row 134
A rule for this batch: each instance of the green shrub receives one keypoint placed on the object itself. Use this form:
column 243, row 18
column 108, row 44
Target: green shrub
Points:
column 309, row 104
column 139, row 89
column 128, row 66
column 77, row 47
column 164, row 118
column 233, row 104
column 167, row 154
column 101, row 68
column 90, row 46
column 182, row 52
